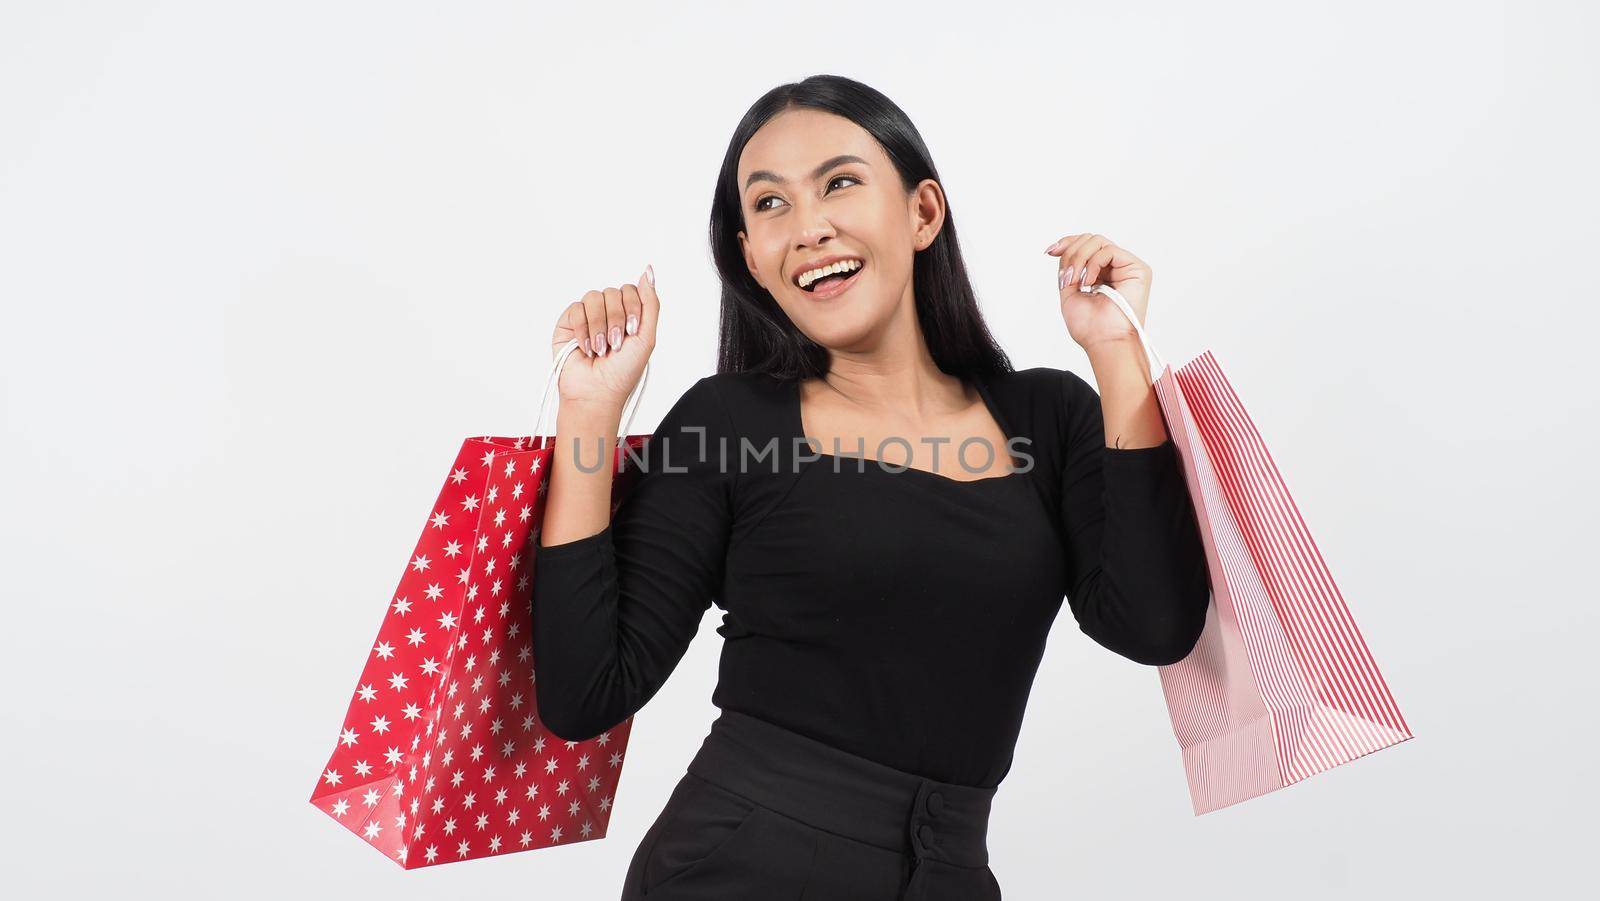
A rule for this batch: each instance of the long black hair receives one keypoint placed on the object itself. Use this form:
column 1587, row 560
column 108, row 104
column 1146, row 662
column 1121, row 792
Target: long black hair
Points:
column 755, row 335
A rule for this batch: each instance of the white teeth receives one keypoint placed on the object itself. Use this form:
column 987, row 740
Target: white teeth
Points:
column 807, row 278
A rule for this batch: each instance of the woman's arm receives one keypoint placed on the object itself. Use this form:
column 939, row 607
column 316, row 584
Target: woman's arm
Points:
column 578, row 499
column 1137, row 580
column 615, row 610
column 1128, row 404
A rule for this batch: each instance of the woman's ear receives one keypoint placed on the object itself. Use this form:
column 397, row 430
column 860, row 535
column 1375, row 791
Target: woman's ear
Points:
column 927, row 212
column 749, row 261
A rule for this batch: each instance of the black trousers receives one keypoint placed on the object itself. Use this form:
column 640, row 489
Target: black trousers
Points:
column 766, row 813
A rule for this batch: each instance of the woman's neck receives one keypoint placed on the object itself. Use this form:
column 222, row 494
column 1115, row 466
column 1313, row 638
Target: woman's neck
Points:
column 913, row 388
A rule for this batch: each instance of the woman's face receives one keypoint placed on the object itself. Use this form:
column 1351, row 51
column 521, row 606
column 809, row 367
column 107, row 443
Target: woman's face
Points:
column 814, row 186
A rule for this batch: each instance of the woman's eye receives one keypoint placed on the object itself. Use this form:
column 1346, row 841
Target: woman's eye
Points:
column 760, row 208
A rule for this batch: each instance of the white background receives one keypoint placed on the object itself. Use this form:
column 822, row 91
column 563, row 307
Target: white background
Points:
column 265, row 265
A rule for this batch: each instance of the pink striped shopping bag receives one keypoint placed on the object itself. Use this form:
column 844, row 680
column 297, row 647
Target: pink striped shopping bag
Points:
column 1281, row 685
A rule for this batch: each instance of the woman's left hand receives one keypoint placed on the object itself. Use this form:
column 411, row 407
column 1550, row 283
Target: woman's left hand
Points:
column 1085, row 261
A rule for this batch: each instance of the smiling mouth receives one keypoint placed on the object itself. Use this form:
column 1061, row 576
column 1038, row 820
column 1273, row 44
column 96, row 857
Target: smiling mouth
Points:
column 829, row 285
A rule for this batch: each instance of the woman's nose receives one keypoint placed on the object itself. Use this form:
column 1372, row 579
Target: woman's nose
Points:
column 815, row 233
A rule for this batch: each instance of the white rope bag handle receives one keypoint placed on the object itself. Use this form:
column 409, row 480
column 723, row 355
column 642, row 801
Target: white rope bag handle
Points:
column 553, row 383
column 1156, row 364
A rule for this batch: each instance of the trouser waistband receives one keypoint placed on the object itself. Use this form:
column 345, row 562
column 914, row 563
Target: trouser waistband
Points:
column 846, row 794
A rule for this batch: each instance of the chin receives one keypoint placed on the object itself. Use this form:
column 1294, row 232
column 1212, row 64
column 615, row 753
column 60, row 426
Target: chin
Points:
column 843, row 326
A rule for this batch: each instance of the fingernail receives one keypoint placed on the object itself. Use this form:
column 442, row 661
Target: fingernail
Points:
column 650, row 273
column 633, row 325
column 599, row 344
column 1086, row 278
column 1066, row 276
column 1061, row 280
column 616, row 337
column 1051, row 247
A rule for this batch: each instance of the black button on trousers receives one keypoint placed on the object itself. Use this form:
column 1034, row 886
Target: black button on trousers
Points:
column 767, row 813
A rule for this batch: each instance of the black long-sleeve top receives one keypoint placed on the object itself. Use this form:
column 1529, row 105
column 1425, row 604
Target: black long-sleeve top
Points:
column 893, row 612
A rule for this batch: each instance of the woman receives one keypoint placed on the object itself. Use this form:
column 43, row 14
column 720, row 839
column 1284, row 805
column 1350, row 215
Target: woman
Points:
column 887, row 512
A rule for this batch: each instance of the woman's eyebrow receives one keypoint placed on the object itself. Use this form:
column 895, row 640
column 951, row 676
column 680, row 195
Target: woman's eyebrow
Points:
column 768, row 175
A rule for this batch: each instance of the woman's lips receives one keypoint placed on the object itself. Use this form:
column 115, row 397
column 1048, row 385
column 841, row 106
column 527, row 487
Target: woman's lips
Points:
column 834, row 288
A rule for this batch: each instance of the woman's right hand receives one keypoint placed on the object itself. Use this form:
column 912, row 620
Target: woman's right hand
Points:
column 604, row 368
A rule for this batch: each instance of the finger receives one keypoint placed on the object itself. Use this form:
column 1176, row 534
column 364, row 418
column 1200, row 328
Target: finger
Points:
column 1073, row 255
column 613, row 326
column 575, row 322
column 580, row 327
column 568, row 326
column 631, row 307
column 1060, row 242
column 651, row 306
column 594, row 311
column 1097, row 263
column 1080, row 251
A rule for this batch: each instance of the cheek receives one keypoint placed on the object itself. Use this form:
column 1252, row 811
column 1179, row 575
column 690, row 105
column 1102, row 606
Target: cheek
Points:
column 768, row 250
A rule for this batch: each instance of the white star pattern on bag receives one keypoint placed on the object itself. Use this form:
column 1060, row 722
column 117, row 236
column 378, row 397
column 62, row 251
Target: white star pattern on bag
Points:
column 441, row 733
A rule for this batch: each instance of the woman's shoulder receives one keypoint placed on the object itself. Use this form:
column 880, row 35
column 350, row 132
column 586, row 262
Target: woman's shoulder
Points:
column 738, row 404
column 1037, row 379
column 1046, row 404
column 1043, row 393
column 745, row 387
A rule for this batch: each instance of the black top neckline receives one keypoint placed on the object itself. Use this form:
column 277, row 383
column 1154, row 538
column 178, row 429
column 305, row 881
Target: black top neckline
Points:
column 797, row 433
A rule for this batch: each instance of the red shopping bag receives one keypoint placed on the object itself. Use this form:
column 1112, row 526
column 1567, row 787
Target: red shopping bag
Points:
column 1281, row 685
column 442, row 755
